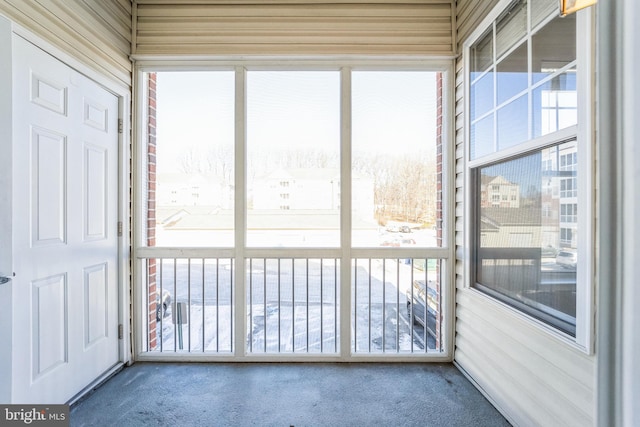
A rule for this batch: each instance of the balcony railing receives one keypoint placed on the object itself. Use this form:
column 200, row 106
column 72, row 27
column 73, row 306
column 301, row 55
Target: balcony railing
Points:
column 204, row 286
column 292, row 305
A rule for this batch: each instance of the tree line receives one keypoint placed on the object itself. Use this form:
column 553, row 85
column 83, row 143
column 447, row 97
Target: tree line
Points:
column 405, row 185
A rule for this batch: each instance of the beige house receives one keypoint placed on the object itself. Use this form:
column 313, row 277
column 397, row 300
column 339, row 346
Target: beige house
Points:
column 309, row 189
column 498, row 192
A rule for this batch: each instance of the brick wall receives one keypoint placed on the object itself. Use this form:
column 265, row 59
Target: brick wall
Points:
column 151, row 205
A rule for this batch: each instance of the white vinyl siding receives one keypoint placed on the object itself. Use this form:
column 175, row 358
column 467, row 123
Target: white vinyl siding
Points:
column 532, row 377
column 97, row 33
column 296, row 27
column 530, row 374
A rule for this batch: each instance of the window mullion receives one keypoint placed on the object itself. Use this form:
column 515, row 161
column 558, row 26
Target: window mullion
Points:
column 495, row 87
column 240, row 237
column 529, row 75
column 345, row 212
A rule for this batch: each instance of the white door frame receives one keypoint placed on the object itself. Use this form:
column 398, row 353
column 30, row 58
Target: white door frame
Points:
column 122, row 91
column 6, row 132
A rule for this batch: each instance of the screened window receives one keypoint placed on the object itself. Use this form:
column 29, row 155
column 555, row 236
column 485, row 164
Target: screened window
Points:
column 522, row 245
column 394, row 175
column 194, row 159
column 293, row 158
column 522, row 91
column 293, row 210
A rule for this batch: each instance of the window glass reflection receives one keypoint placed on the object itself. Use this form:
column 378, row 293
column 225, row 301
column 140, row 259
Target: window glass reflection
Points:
column 553, row 47
column 512, row 75
column 555, row 104
column 502, row 82
column 482, row 96
column 482, row 137
column 482, row 55
column 527, row 239
column 512, row 123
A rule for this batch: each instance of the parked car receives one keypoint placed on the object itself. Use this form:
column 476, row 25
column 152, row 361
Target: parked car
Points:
column 420, row 303
column 405, row 229
column 392, row 242
column 407, row 242
column 549, row 252
column 161, row 309
column 567, row 259
column 392, row 228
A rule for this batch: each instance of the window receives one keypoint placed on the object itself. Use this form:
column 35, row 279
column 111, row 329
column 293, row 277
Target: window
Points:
column 293, row 138
column 568, row 187
column 566, row 236
column 568, row 162
column 516, row 243
column 194, row 151
column 265, row 202
column 523, row 91
column 394, row 174
column 506, row 109
column 569, row 212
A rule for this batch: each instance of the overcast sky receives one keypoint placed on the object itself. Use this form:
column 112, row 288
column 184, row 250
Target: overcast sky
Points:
column 393, row 112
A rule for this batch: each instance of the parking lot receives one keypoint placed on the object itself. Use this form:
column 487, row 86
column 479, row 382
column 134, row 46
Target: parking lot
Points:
column 292, row 307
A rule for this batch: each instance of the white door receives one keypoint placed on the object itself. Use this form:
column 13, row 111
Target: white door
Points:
column 65, row 183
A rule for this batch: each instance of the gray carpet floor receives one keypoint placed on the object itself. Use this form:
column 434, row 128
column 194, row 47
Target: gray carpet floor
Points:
column 279, row 394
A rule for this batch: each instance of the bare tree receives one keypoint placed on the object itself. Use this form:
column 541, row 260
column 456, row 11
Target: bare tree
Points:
column 190, row 162
column 404, row 186
column 219, row 160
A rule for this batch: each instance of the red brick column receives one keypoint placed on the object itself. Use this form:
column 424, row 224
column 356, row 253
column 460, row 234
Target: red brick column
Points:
column 151, row 206
column 439, row 218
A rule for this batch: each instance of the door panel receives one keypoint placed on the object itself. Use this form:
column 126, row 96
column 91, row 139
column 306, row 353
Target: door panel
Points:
column 96, row 311
column 95, row 115
column 49, row 169
column 96, row 190
column 49, row 308
column 65, row 163
column 52, row 96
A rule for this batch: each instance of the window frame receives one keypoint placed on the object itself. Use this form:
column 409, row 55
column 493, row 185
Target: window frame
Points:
column 584, row 133
column 345, row 251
